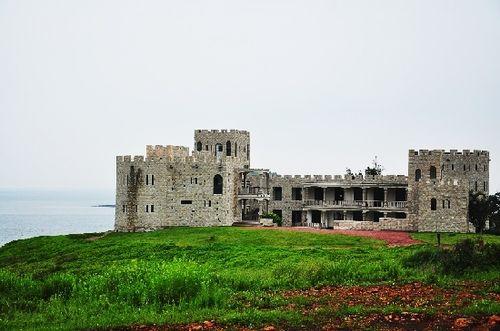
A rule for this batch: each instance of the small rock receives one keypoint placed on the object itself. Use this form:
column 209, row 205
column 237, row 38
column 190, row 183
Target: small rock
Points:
column 494, row 320
column 462, row 322
column 269, row 328
column 196, row 328
column 208, row 324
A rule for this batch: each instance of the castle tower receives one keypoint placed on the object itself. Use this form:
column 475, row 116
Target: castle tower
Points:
column 438, row 187
column 224, row 143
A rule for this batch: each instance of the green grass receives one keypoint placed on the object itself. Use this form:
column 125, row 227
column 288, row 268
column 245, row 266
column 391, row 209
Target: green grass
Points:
column 453, row 238
column 181, row 275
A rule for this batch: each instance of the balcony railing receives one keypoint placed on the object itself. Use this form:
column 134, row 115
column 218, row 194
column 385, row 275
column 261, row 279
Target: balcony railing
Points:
column 252, row 192
column 358, row 203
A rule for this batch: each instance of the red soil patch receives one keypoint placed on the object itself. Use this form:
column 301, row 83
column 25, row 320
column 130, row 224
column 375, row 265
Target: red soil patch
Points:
column 445, row 302
column 392, row 238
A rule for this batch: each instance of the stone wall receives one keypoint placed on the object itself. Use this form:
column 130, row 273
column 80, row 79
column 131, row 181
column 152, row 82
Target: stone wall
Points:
column 456, row 173
column 181, row 192
column 286, row 205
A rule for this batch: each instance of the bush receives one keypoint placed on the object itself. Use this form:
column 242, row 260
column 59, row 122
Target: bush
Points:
column 464, row 255
column 276, row 218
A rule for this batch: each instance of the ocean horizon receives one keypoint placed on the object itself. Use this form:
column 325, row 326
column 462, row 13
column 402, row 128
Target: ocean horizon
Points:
column 26, row 213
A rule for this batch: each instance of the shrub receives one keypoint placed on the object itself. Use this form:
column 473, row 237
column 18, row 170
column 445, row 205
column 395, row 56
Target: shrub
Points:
column 276, row 218
column 464, row 255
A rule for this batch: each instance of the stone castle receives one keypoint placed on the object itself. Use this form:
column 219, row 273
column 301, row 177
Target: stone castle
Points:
column 215, row 186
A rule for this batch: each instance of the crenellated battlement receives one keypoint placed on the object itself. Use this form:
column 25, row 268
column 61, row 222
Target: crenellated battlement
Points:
column 346, row 178
column 223, row 131
column 196, row 158
column 465, row 152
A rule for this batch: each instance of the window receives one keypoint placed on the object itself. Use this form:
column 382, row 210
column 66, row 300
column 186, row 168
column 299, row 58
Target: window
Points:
column 296, row 193
column 449, row 204
column 484, row 186
column 248, row 151
column 152, row 179
column 196, row 180
column 432, row 172
column 147, row 208
column 418, row 175
column 277, row 193
column 124, row 208
column 228, row 148
column 296, row 217
column 475, row 186
column 147, row 181
column 186, row 202
column 218, row 184
column 452, row 166
column 464, row 168
column 444, row 203
column 152, row 208
column 235, row 149
column 476, row 167
column 278, row 212
column 433, row 204
column 199, row 146
column 218, row 149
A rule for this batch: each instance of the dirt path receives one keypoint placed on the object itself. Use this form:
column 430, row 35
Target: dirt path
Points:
column 392, row 238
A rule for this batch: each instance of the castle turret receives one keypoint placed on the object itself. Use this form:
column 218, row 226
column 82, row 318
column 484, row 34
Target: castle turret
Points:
column 224, row 143
column 438, row 187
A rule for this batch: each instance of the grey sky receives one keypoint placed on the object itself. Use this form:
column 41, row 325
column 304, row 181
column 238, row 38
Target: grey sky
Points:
column 321, row 85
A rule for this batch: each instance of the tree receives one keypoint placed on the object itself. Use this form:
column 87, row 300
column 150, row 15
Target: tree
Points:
column 494, row 212
column 478, row 210
column 376, row 170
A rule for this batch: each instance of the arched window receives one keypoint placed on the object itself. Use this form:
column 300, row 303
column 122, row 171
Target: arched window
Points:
column 418, row 175
column 218, row 151
column 432, row 172
column 217, row 184
column 228, row 148
column 433, row 204
column 199, row 146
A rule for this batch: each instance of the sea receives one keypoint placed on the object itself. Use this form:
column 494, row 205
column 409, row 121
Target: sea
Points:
column 30, row 213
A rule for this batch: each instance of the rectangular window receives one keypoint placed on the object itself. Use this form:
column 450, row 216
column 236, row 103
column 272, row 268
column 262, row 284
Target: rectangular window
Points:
column 296, row 217
column 186, row 202
column 210, row 203
column 147, row 208
column 196, row 180
column 277, row 193
column 147, row 179
column 152, row 179
column 124, row 208
column 152, row 208
column 296, row 193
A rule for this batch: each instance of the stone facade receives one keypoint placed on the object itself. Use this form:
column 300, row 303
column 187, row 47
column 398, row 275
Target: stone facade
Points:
column 215, row 186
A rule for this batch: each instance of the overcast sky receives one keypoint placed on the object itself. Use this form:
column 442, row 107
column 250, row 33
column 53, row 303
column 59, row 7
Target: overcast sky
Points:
column 321, row 85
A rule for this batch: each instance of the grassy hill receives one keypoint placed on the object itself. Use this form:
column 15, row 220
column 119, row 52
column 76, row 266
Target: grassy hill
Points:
column 235, row 276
